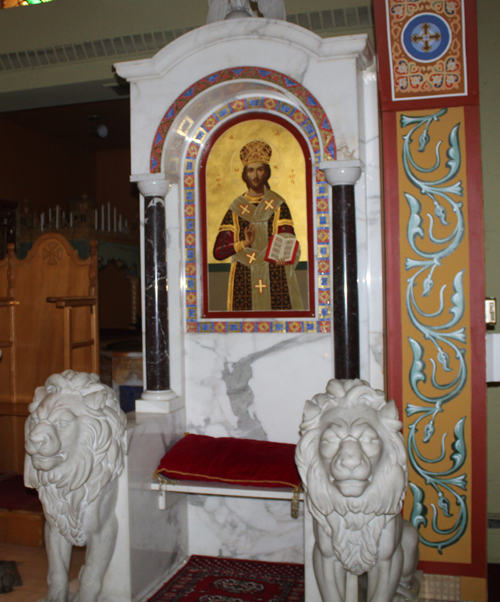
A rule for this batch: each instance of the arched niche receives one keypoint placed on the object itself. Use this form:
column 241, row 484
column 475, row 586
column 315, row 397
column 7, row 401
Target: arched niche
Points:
column 179, row 127
column 180, row 141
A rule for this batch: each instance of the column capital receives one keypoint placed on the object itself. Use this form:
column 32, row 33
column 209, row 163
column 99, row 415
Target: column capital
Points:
column 152, row 184
column 339, row 173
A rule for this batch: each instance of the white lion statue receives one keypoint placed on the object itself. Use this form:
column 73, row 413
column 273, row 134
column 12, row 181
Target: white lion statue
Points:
column 219, row 10
column 75, row 446
column 353, row 464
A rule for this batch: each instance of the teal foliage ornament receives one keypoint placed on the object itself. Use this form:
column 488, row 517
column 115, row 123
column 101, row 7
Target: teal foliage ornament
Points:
column 442, row 328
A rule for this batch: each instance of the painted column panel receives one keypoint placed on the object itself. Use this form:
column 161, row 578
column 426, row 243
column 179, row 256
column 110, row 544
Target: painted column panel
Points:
column 436, row 324
column 435, row 278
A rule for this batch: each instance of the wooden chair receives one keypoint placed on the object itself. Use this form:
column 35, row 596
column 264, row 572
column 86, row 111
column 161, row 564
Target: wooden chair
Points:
column 37, row 339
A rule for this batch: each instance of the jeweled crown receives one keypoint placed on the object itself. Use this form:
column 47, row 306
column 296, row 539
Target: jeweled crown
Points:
column 256, row 151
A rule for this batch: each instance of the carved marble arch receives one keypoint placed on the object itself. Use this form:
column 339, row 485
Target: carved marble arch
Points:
column 228, row 87
column 180, row 148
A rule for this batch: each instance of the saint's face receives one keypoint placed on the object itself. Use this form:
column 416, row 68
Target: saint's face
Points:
column 256, row 176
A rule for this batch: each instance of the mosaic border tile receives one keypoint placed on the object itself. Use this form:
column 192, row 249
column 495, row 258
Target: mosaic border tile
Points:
column 323, row 124
column 322, row 229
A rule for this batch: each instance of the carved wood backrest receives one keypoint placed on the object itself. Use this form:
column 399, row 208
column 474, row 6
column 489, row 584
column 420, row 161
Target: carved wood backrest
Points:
column 53, row 269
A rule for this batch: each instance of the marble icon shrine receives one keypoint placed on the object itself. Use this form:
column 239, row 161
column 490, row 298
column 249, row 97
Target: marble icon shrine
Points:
column 270, row 269
column 237, row 373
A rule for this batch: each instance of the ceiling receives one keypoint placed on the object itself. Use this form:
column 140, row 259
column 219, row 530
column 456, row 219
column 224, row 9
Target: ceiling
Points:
column 72, row 123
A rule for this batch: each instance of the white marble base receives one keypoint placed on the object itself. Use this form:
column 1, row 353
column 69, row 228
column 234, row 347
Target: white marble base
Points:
column 245, row 528
column 163, row 579
column 159, row 402
column 150, row 541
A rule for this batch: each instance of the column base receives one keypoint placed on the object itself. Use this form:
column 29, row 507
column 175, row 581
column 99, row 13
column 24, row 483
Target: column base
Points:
column 159, row 402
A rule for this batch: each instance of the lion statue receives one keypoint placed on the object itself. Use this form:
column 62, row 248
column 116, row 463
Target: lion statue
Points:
column 75, row 447
column 353, row 464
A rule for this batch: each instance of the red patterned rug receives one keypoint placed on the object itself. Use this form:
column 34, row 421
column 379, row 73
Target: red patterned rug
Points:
column 208, row 579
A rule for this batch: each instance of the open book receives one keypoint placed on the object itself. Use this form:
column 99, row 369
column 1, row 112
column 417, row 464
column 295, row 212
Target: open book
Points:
column 281, row 247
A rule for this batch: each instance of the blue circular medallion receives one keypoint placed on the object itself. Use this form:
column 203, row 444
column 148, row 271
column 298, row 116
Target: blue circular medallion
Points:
column 426, row 37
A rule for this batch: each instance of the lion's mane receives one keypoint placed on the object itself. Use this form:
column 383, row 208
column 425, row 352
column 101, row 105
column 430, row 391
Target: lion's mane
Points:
column 68, row 489
column 353, row 524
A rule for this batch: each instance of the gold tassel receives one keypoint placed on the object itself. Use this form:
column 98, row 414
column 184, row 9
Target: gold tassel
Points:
column 295, row 502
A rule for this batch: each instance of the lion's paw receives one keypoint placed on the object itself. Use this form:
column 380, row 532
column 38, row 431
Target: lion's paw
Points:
column 55, row 596
column 407, row 594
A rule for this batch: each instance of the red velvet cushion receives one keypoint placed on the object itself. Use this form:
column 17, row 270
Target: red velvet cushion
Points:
column 234, row 461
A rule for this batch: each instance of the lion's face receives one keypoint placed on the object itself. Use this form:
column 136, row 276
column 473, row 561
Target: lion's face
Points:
column 350, row 449
column 54, row 432
column 351, row 456
column 352, row 460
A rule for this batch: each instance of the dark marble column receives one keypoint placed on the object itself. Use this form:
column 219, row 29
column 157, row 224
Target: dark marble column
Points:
column 342, row 176
column 155, row 278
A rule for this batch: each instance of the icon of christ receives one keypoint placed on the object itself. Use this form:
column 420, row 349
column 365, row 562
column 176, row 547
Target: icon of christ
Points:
column 257, row 232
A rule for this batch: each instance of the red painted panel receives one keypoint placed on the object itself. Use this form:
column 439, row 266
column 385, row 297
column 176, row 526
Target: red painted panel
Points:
column 392, row 261
column 381, row 34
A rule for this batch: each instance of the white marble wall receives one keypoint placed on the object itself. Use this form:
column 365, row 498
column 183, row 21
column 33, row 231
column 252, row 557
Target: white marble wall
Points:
column 369, row 234
column 253, row 385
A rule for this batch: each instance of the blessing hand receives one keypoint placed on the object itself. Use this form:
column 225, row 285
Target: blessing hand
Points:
column 249, row 235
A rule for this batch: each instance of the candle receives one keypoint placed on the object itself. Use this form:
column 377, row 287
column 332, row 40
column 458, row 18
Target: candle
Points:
column 114, row 219
column 71, row 219
column 42, row 219
column 50, row 215
column 120, row 223
column 57, row 217
column 102, row 217
column 96, row 218
column 63, row 217
column 109, row 217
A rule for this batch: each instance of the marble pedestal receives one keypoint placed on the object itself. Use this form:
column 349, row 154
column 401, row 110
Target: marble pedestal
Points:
column 151, row 542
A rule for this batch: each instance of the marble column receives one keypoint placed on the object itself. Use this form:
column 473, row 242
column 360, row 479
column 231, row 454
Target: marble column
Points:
column 156, row 352
column 342, row 176
column 134, row 298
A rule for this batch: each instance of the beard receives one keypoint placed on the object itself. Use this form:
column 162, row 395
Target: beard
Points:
column 257, row 183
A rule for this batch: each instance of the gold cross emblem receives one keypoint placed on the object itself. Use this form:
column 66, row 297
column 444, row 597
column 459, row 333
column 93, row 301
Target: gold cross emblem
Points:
column 269, row 204
column 426, row 37
column 260, row 286
column 251, row 257
column 244, row 209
